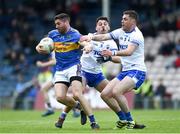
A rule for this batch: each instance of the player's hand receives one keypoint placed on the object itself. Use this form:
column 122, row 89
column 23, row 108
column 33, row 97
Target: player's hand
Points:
column 39, row 49
column 88, row 48
column 106, row 53
column 103, row 59
column 39, row 64
column 85, row 38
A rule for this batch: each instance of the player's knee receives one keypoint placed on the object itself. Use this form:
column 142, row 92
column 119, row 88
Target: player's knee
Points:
column 115, row 93
column 60, row 98
column 103, row 95
column 76, row 95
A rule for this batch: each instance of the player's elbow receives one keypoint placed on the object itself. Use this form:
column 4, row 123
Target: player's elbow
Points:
column 129, row 53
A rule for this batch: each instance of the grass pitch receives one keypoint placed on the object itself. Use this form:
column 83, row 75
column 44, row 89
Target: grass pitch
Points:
column 157, row 121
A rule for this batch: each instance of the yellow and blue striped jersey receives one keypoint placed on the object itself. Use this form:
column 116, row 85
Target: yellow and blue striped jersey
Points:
column 67, row 49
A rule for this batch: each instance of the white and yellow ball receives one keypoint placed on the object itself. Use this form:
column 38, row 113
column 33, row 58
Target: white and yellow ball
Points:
column 47, row 44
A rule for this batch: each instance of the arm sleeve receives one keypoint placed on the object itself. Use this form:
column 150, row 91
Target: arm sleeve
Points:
column 136, row 39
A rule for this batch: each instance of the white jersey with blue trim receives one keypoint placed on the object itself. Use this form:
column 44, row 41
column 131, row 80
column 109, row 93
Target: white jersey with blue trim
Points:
column 52, row 54
column 88, row 60
column 135, row 37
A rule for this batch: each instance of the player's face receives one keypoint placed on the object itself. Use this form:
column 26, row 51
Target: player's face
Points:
column 102, row 26
column 61, row 25
column 127, row 23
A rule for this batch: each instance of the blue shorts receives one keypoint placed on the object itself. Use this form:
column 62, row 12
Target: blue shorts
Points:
column 138, row 76
column 93, row 79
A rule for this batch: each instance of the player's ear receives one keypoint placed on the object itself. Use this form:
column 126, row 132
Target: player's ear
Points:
column 96, row 28
column 108, row 28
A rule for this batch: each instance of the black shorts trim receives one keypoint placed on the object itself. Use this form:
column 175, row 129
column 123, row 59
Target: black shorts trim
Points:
column 78, row 78
column 63, row 82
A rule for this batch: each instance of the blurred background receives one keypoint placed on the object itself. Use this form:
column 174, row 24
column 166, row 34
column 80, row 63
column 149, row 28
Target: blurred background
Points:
column 24, row 22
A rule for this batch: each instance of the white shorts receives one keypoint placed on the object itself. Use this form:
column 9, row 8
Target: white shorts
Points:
column 65, row 75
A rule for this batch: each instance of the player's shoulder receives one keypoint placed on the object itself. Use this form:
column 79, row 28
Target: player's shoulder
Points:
column 120, row 30
column 117, row 32
column 73, row 33
column 73, row 30
column 53, row 33
column 137, row 33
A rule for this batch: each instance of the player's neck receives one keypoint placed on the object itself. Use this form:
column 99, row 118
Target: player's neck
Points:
column 131, row 29
column 66, row 30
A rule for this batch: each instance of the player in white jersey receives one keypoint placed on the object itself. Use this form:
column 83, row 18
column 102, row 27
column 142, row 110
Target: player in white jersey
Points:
column 91, row 62
column 131, row 43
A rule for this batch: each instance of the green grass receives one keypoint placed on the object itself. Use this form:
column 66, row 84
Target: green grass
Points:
column 157, row 121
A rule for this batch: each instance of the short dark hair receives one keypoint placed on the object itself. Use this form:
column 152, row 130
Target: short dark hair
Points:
column 62, row 16
column 133, row 14
column 102, row 18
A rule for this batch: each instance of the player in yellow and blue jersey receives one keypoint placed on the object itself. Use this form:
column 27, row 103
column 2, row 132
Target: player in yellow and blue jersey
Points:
column 67, row 54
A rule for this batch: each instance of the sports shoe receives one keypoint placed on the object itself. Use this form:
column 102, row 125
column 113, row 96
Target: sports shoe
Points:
column 47, row 113
column 59, row 123
column 121, row 123
column 95, row 126
column 83, row 117
column 130, row 124
column 138, row 126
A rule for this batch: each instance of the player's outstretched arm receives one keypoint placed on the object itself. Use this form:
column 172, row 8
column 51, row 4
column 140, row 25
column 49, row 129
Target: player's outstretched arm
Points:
column 50, row 62
column 127, row 52
column 99, row 37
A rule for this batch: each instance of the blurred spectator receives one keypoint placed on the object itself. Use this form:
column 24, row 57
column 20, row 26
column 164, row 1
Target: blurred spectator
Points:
column 160, row 95
column 30, row 98
column 167, row 48
column 80, row 26
column 144, row 95
column 148, row 29
column 178, row 23
column 177, row 62
column 170, row 61
column 21, row 65
column 7, row 56
column 149, row 57
column 13, row 59
column 23, row 90
column 177, row 47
